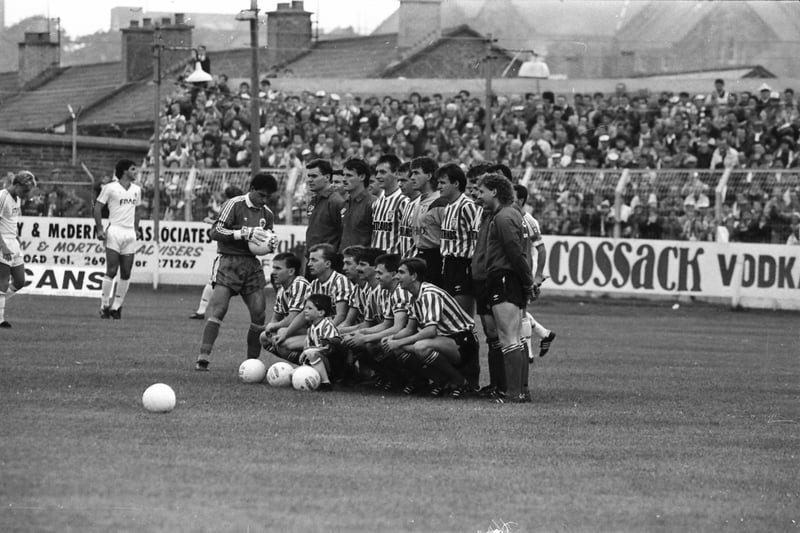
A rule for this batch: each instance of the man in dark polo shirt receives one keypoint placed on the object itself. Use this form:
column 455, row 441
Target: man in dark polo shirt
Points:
column 357, row 210
column 324, row 207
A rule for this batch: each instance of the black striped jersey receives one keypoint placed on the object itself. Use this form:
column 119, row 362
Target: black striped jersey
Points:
column 239, row 212
column 405, row 243
column 319, row 332
column 360, row 300
column 394, row 301
column 459, row 228
column 292, row 298
column 435, row 307
column 337, row 287
column 387, row 213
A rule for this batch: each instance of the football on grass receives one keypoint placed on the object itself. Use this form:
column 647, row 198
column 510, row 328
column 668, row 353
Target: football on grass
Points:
column 159, row 398
column 263, row 242
column 252, row 371
column 280, row 374
column 305, row 378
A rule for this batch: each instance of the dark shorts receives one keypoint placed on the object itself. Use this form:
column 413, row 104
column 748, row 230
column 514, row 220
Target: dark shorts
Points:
column 457, row 275
column 433, row 259
column 480, row 290
column 468, row 349
column 505, row 286
column 242, row 274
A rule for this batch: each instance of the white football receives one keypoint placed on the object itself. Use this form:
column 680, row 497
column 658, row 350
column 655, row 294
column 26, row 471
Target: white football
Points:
column 159, row 398
column 263, row 242
column 305, row 378
column 280, row 374
column 252, row 371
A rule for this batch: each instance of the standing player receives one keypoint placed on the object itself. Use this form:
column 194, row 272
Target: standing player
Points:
column 440, row 336
column 388, row 209
column 122, row 197
column 238, row 271
column 357, row 209
column 459, row 224
column 12, row 268
column 405, row 242
column 538, row 260
column 427, row 217
column 509, row 278
column 324, row 208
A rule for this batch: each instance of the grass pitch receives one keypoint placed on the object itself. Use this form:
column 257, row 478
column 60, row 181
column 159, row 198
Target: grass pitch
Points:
column 644, row 419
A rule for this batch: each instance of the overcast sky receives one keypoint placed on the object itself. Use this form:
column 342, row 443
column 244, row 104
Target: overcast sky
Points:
column 82, row 17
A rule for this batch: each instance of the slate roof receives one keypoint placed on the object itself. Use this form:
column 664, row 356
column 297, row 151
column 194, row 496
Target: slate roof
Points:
column 353, row 57
column 78, row 86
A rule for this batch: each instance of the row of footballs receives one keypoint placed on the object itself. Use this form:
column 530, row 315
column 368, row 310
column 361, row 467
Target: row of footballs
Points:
column 160, row 398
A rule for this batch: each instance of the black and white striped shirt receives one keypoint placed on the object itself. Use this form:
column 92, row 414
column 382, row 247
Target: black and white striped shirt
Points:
column 292, row 298
column 459, row 228
column 434, row 306
column 387, row 213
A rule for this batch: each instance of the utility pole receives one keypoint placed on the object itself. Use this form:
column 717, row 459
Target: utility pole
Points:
column 158, row 46
column 487, row 72
column 255, row 100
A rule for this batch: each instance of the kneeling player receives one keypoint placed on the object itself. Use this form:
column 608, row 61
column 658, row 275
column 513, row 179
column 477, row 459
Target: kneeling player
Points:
column 440, row 335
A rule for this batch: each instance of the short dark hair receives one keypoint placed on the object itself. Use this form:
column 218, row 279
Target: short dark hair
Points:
column 322, row 302
column 232, row 191
column 478, row 169
column 122, row 166
column 389, row 159
column 427, row 164
column 454, row 175
column 360, row 167
column 417, row 266
column 404, row 167
column 500, row 168
column 390, row 261
column 291, row 260
column 521, row 191
column 369, row 255
column 264, row 181
column 502, row 187
column 324, row 166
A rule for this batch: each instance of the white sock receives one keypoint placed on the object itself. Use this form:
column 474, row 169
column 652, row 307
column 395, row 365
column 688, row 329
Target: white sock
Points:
column 539, row 329
column 106, row 291
column 122, row 290
column 2, row 306
column 204, row 298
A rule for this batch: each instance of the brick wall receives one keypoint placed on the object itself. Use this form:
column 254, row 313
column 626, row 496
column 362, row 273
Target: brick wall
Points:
column 43, row 153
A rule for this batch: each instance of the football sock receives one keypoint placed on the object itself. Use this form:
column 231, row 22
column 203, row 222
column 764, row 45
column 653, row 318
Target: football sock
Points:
column 439, row 362
column 539, row 329
column 122, row 290
column 11, row 291
column 106, row 291
column 497, row 372
column 2, row 306
column 210, row 332
column 318, row 364
column 253, row 341
column 526, row 368
column 204, row 298
column 513, row 363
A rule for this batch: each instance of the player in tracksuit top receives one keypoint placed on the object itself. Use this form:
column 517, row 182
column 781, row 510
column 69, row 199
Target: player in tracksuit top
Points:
column 509, row 278
column 237, row 270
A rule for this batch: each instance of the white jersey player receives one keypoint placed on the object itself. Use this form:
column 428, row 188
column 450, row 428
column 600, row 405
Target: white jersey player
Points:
column 122, row 197
column 12, row 268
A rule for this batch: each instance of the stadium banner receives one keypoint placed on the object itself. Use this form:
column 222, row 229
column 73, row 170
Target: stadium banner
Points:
column 750, row 275
column 185, row 255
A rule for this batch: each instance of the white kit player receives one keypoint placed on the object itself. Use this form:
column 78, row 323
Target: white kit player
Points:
column 12, row 268
column 123, row 197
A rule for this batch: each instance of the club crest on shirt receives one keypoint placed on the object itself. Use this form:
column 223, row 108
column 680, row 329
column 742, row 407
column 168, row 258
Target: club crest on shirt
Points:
column 262, row 223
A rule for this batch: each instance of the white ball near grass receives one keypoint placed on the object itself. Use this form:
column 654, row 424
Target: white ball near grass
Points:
column 305, row 378
column 252, row 371
column 280, row 374
column 159, row 398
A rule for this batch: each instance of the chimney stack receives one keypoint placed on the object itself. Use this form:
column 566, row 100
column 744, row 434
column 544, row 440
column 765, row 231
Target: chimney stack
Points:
column 288, row 32
column 37, row 54
column 178, row 34
column 418, row 19
column 137, row 46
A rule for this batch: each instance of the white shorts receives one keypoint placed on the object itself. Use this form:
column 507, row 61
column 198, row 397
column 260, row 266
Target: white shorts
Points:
column 16, row 252
column 121, row 240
